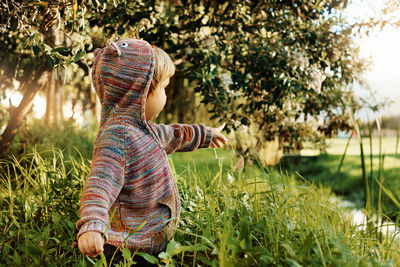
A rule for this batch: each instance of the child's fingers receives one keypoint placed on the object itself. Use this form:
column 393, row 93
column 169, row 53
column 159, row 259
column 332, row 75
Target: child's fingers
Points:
column 221, row 137
column 83, row 246
column 80, row 246
column 90, row 249
column 217, row 143
column 86, row 246
column 98, row 244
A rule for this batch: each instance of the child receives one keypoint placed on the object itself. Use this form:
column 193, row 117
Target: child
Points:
column 131, row 182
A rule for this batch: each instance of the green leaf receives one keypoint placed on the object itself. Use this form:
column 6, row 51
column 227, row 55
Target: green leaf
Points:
column 293, row 263
column 6, row 249
column 148, row 257
column 50, row 60
column 16, row 259
column 71, row 224
column 307, row 245
column 103, row 259
column 126, row 253
column 172, row 246
column 36, row 50
column 60, row 49
column 33, row 251
column 78, row 56
column 388, row 193
column 163, row 255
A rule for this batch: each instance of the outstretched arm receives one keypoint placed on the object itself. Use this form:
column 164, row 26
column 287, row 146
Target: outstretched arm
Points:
column 184, row 137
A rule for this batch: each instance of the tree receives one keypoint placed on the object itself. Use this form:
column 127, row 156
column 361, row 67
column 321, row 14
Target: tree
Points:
column 283, row 65
column 28, row 52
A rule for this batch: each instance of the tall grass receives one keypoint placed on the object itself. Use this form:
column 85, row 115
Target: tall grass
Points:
column 39, row 196
column 228, row 219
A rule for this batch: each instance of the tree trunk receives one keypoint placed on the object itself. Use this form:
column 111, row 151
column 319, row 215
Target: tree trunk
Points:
column 47, row 116
column 55, row 102
column 18, row 114
column 61, row 98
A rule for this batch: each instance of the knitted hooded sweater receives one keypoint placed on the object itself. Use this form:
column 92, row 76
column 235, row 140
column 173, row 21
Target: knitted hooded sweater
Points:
column 131, row 182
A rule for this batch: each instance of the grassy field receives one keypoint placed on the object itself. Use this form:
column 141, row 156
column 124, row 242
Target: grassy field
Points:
column 255, row 218
column 324, row 169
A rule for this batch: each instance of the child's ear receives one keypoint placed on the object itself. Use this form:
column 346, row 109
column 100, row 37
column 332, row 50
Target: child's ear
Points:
column 114, row 47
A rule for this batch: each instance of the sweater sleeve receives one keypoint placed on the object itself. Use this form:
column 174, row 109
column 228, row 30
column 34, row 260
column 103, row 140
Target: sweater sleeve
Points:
column 103, row 184
column 182, row 137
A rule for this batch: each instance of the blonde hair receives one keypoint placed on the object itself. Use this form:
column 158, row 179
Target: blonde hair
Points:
column 163, row 69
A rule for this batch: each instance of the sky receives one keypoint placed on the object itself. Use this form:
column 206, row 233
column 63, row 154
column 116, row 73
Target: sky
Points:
column 383, row 48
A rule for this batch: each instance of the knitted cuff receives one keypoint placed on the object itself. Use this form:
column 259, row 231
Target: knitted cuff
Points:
column 94, row 225
column 208, row 136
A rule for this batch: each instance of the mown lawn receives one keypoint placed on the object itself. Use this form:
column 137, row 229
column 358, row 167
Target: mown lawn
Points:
column 337, row 146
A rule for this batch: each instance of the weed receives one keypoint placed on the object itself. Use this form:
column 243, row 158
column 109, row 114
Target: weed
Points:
column 256, row 218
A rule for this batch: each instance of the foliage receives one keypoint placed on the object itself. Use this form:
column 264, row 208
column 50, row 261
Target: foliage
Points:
column 283, row 65
column 387, row 122
column 284, row 68
column 39, row 204
column 37, row 136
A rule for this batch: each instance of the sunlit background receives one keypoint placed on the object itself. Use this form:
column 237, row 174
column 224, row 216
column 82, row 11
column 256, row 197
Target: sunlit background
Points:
column 382, row 47
column 39, row 106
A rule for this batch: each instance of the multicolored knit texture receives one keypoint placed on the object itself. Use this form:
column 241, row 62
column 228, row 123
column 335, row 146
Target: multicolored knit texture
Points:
column 130, row 195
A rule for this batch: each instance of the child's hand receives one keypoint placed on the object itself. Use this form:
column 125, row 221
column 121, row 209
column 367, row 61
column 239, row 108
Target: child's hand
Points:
column 91, row 243
column 218, row 136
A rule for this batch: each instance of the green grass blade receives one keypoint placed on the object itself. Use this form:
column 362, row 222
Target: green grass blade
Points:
column 344, row 153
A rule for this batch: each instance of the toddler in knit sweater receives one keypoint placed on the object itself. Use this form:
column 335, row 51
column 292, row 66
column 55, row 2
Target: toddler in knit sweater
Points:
column 130, row 199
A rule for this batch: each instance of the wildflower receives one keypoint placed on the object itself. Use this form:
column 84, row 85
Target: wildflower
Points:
column 245, row 198
column 209, row 43
column 236, row 123
column 226, row 80
column 336, row 54
column 230, row 178
column 317, row 78
column 328, row 72
column 189, row 50
column 300, row 61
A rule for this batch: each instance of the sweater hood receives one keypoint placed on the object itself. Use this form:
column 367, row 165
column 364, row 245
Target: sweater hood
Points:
column 122, row 73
